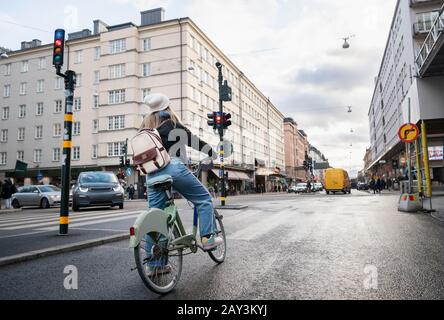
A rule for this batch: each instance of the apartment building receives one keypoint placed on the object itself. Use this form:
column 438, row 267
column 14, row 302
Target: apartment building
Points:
column 409, row 87
column 296, row 148
column 318, row 158
column 117, row 66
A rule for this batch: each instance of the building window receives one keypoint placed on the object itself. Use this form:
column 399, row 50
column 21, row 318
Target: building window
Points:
column 118, row 46
column 38, row 132
column 21, row 155
column 39, row 109
column 76, row 153
column 58, row 83
column 78, row 56
column 5, row 113
column 78, row 80
column 58, row 106
column 21, row 134
column 94, row 151
column 145, row 92
column 147, row 44
column 22, row 91
column 7, row 69
column 4, row 135
column 96, row 77
column 146, row 69
column 7, row 91
column 76, row 128
column 115, row 149
column 37, row 156
column 95, row 126
column 96, row 53
column 57, row 130
column 116, row 123
column 3, row 158
column 96, row 101
column 117, row 71
column 116, row 96
column 56, row 154
column 42, row 63
column 22, row 111
column 40, row 86
column 25, row 66
column 77, row 104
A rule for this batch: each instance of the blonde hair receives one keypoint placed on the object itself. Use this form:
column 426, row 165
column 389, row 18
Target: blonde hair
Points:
column 153, row 120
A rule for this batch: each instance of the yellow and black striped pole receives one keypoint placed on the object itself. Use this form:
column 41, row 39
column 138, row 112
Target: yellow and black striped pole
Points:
column 70, row 81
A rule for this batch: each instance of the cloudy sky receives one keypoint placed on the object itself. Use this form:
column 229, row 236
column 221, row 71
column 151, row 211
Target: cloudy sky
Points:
column 291, row 49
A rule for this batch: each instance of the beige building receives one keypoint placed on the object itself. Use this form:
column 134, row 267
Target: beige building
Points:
column 116, row 67
column 296, row 147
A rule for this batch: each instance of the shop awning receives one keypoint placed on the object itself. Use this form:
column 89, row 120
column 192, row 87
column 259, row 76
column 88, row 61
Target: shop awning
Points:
column 233, row 175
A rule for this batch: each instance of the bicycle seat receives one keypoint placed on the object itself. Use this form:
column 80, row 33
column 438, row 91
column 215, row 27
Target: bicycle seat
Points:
column 163, row 182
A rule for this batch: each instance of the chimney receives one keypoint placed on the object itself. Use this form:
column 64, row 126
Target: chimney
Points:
column 31, row 44
column 100, row 26
column 80, row 34
column 152, row 16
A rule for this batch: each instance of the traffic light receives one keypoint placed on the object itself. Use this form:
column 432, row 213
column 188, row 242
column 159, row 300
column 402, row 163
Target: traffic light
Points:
column 216, row 120
column 226, row 120
column 305, row 164
column 59, row 48
column 124, row 149
column 128, row 163
column 225, row 92
column 122, row 162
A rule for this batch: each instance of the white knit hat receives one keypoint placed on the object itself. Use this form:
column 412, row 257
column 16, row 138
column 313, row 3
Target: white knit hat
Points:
column 156, row 102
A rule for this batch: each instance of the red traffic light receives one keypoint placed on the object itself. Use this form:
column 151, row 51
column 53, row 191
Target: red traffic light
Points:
column 218, row 119
column 59, row 46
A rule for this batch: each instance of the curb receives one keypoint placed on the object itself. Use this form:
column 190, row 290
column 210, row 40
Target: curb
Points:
column 32, row 255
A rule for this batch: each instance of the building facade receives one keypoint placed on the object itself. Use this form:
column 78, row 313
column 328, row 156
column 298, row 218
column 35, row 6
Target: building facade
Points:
column 296, row 148
column 318, row 158
column 117, row 66
column 408, row 87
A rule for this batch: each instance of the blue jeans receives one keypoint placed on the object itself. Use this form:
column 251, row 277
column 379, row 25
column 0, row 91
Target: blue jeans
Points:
column 189, row 187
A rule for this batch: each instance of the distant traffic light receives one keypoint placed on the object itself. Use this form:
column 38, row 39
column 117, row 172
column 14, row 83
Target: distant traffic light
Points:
column 127, row 163
column 59, row 48
column 122, row 162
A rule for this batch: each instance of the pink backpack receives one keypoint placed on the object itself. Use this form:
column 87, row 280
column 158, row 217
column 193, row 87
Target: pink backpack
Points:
column 149, row 154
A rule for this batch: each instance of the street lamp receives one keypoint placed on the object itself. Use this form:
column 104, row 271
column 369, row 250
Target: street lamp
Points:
column 346, row 45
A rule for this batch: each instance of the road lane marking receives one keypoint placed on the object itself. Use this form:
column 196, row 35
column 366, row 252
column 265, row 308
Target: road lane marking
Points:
column 96, row 218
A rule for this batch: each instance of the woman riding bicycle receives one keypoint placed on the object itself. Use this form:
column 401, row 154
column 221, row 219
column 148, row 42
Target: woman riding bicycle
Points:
column 161, row 116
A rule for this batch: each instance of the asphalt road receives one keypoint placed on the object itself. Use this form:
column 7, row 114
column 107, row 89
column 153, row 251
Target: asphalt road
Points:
column 282, row 247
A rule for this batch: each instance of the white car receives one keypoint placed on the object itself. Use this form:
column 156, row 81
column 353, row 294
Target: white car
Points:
column 301, row 188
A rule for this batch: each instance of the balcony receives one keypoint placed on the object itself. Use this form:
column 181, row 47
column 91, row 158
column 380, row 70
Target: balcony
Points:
column 422, row 29
column 418, row 3
column 430, row 59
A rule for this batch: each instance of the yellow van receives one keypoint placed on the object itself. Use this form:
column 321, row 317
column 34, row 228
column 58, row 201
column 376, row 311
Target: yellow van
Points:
column 337, row 180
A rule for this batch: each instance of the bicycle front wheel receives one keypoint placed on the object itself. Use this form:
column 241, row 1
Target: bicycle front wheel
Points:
column 218, row 255
column 158, row 266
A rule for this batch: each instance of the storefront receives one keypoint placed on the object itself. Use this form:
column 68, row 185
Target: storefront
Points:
column 238, row 181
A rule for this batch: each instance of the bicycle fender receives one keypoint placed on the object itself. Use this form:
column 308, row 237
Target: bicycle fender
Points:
column 153, row 220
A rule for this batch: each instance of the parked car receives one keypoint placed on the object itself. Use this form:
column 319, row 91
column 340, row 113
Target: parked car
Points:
column 363, row 186
column 317, row 187
column 301, row 188
column 43, row 196
column 97, row 189
column 337, row 180
column 292, row 189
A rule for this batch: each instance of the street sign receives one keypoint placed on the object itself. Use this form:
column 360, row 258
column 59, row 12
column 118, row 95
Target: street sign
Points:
column 129, row 172
column 409, row 132
column 39, row 176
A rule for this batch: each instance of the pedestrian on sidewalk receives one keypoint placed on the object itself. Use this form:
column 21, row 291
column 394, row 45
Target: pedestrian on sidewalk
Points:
column 373, row 185
column 7, row 191
column 378, row 185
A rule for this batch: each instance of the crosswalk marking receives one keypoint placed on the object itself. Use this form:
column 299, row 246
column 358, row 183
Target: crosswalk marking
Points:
column 75, row 220
column 53, row 218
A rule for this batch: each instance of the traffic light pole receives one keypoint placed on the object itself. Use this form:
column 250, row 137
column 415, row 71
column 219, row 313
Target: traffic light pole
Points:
column 70, row 82
column 223, row 191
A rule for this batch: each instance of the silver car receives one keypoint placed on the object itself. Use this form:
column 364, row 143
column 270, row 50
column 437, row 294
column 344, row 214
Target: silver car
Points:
column 43, row 196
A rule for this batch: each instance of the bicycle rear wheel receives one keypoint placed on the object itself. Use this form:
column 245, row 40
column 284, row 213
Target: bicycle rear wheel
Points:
column 218, row 255
column 159, row 267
